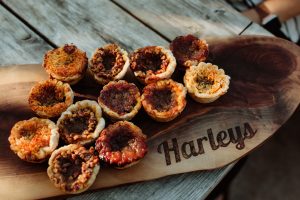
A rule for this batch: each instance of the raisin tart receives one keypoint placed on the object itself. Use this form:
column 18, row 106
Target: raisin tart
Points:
column 109, row 63
column 152, row 63
column 205, row 82
column 34, row 140
column 66, row 63
column 50, row 98
column 164, row 100
column 81, row 123
column 189, row 50
column 121, row 144
column 73, row 168
column 120, row 100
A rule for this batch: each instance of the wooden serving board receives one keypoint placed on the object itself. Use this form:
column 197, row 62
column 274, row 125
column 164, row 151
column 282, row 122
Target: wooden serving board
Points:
column 264, row 92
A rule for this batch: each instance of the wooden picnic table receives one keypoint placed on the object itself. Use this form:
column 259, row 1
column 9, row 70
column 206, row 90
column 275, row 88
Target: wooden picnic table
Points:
column 29, row 28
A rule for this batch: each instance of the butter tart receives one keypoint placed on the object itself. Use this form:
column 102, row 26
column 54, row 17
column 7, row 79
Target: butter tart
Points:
column 152, row 63
column 164, row 100
column 205, row 82
column 120, row 100
column 34, row 140
column 121, row 144
column 81, row 123
column 109, row 63
column 73, row 168
column 50, row 98
column 66, row 63
column 189, row 50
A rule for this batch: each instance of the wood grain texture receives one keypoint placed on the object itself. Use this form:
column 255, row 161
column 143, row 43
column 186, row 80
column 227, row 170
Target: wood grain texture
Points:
column 262, row 93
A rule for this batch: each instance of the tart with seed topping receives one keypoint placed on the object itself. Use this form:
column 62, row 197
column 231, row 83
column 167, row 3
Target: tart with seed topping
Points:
column 205, row 82
column 164, row 100
column 152, row 63
column 189, row 50
column 34, row 140
column 81, row 123
column 109, row 63
column 66, row 63
column 121, row 144
column 120, row 100
column 73, row 168
column 50, row 98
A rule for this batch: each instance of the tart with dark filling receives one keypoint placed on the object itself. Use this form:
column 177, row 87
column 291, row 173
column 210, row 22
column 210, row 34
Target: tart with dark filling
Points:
column 164, row 100
column 120, row 100
column 66, row 63
column 34, row 140
column 81, row 123
column 73, row 168
column 50, row 98
column 121, row 144
column 189, row 50
column 109, row 63
column 152, row 63
column 206, row 82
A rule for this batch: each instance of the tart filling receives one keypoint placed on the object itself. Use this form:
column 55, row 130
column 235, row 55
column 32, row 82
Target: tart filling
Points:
column 66, row 63
column 81, row 123
column 120, row 100
column 34, row 140
column 164, row 100
column 205, row 82
column 109, row 63
column 50, row 98
column 121, row 144
column 189, row 50
column 152, row 63
column 73, row 169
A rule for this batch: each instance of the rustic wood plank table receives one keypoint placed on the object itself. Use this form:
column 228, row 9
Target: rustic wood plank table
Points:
column 29, row 28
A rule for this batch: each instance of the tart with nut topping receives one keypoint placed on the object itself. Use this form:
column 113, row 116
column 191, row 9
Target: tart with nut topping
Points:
column 109, row 63
column 152, row 63
column 66, row 63
column 81, row 123
column 73, row 168
column 164, row 100
column 120, row 100
column 34, row 140
column 50, row 98
column 205, row 82
column 121, row 144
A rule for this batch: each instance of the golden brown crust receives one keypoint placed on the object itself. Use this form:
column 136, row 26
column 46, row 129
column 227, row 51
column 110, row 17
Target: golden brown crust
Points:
column 73, row 169
column 152, row 63
column 34, row 140
column 109, row 63
column 66, row 63
column 81, row 123
column 205, row 82
column 164, row 100
column 120, row 100
column 121, row 144
column 50, row 98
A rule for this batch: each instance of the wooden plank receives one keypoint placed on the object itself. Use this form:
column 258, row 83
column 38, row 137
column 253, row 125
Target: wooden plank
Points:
column 255, row 29
column 203, row 18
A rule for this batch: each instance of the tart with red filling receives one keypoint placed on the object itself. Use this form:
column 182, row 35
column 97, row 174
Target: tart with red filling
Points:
column 152, row 63
column 109, row 63
column 34, row 140
column 120, row 100
column 50, row 98
column 73, row 168
column 206, row 82
column 122, row 144
column 189, row 50
column 164, row 100
column 81, row 123
column 66, row 63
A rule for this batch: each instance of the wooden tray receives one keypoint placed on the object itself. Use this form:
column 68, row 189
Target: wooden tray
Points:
column 263, row 94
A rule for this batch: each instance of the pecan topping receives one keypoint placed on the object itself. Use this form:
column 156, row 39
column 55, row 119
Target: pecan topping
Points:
column 69, row 48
